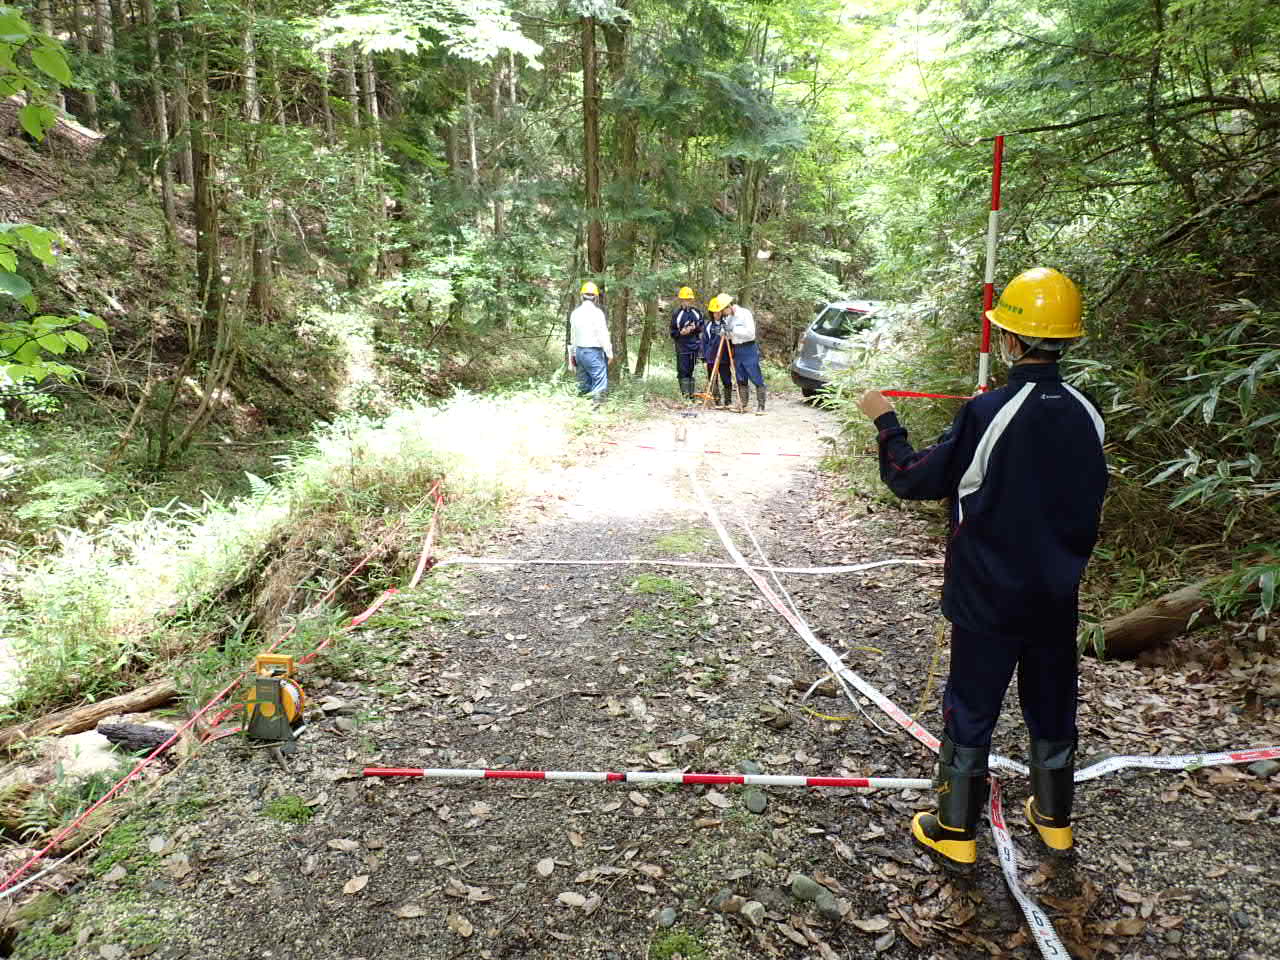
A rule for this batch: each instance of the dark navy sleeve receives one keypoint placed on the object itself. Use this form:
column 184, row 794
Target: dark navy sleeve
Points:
column 675, row 320
column 929, row 474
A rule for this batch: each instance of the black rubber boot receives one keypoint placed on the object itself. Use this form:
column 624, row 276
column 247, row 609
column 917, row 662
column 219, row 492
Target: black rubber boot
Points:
column 686, row 387
column 962, row 790
column 760, row 393
column 744, row 394
column 1053, row 789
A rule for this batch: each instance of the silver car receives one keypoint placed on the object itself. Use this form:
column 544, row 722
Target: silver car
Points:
column 824, row 346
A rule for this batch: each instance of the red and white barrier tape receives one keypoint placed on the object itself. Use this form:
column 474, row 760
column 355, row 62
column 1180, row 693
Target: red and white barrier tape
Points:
column 516, row 562
column 657, row 776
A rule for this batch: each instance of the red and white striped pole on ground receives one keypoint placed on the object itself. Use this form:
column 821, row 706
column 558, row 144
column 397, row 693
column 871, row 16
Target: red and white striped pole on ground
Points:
column 654, row 776
column 989, row 277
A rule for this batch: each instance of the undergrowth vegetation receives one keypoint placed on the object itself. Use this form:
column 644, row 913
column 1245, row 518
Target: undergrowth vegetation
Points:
column 113, row 603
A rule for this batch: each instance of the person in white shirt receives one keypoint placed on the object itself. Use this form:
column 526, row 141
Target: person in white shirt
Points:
column 740, row 323
column 590, row 350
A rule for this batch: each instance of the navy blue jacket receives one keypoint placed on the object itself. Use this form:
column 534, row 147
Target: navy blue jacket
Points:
column 711, row 332
column 681, row 316
column 1024, row 469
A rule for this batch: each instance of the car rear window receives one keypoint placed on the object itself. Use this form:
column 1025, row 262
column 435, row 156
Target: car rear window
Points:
column 841, row 321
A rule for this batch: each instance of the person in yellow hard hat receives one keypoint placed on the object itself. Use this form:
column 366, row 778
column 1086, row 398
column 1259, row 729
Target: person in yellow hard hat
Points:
column 740, row 325
column 590, row 349
column 686, row 329
column 1024, row 472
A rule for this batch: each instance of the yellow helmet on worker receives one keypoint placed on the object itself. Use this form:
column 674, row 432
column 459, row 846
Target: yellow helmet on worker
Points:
column 1040, row 304
column 719, row 302
column 589, row 289
column 686, row 293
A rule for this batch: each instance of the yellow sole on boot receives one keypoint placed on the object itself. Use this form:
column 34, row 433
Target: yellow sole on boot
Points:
column 1055, row 838
column 959, row 851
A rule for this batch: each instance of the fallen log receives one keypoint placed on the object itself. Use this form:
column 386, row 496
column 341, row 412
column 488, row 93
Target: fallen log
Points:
column 77, row 719
column 1154, row 623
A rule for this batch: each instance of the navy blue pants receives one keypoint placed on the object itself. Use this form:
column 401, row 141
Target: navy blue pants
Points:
column 685, row 362
column 746, row 362
column 982, row 664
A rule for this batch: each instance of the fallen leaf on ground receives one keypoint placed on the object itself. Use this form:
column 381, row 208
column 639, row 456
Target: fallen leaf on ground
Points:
column 718, row 799
column 545, row 866
column 460, row 925
column 572, row 899
column 344, row 844
column 356, row 884
column 409, row 911
column 871, row 924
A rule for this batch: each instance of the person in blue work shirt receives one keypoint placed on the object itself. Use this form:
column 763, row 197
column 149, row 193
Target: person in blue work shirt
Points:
column 686, row 332
column 590, row 349
column 740, row 324
column 1024, row 471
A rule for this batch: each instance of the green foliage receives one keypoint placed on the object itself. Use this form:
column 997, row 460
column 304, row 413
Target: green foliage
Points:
column 25, row 344
column 289, row 808
column 674, row 943
column 57, row 501
column 677, row 590
column 120, row 845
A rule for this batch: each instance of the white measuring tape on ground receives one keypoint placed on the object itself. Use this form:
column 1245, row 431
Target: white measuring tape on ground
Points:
column 1185, row 761
column 517, row 562
column 1041, row 928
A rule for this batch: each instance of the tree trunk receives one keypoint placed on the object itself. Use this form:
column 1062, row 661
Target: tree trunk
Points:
column 591, row 147
column 260, row 282
column 45, row 10
column 82, row 44
column 79, row 719
column 208, row 253
column 650, row 315
column 1156, row 622
column 353, row 86
column 473, row 152
column 625, row 148
column 106, row 43
column 181, row 104
column 162, row 122
column 369, row 93
column 326, row 59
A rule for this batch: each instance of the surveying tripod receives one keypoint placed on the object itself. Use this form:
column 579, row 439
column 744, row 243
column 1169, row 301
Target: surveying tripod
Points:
column 707, row 396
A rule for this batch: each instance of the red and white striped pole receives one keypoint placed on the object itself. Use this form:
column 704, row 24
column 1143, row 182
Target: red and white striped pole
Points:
column 653, row 776
column 989, row 277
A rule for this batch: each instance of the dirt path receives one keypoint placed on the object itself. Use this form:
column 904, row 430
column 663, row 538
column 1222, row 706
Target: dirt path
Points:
column 642, row 668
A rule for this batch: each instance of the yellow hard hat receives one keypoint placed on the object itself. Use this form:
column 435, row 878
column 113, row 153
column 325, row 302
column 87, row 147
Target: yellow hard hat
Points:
column 1040, row 302
column 719, row 302
column 686, row 293
column 590, row 288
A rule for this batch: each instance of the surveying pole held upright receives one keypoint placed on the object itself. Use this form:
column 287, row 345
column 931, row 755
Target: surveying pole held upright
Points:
column 989, row 276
